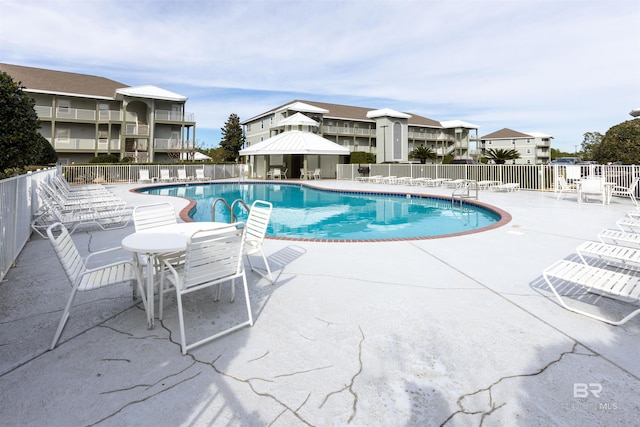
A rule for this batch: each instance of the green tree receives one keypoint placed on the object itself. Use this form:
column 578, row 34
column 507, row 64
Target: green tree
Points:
column 590, row 143
column 422, row 153
column 501, row 155
column 621, row 143
column 232, row 138
column 20, row 142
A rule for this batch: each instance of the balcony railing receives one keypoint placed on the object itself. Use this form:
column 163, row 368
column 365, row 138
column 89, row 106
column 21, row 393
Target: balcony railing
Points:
column 75, row 114
column 110, row 115
column 175, row 116
column 44, row 112
column 86, row 144
column 134, row 129
column 172, row 144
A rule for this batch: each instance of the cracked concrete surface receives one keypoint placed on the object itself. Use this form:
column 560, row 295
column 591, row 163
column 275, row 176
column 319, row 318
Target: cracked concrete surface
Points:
column 456, row 332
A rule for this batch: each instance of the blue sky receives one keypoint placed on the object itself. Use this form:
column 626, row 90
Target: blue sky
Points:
column 553, row 66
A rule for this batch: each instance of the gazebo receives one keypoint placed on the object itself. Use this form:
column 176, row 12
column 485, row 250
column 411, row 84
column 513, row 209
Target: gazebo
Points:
column 295, row 150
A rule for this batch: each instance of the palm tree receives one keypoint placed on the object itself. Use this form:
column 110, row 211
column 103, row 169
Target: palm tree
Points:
column 422, row 153
column 501, row 155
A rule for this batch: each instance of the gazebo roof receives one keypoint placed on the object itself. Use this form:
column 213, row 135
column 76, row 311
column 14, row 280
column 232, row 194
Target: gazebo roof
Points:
column 295, row 142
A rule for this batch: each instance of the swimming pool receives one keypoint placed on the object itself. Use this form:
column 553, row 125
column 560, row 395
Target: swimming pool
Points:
column 303, row 212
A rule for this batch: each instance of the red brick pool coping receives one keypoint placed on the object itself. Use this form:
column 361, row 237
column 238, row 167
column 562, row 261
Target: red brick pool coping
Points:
column 505, row 217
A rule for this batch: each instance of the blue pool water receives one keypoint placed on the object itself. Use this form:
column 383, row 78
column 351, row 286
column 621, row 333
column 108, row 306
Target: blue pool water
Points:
column 302, row 212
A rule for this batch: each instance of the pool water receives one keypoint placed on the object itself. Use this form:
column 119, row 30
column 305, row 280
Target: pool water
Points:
column 302, row 212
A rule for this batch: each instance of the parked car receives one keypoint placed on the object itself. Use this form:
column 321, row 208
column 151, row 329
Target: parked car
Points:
column 463, row 162
column 566, row 161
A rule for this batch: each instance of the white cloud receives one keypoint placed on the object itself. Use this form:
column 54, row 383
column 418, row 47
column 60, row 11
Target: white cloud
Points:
column 561, row 67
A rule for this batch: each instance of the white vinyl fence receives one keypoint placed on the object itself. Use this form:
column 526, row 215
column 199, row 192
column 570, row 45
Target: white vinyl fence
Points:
column 17, row 207
column 530, row 177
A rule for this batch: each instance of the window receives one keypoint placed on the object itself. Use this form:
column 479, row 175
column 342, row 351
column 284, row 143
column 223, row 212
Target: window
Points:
column 248, row 128
column 513, row 141
column 262, row 124
column 528, row 150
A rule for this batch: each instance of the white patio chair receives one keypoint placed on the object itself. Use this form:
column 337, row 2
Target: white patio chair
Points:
column 565, row 187
column 84, row 278
column 212, row 258
column 148, row 217
column 317, row 174
column 274, row 173
column 630, row 191
column 592, row 187
column 256, row 229
column 153, row 215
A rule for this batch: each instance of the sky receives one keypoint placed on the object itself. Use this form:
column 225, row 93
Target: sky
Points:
column 562, row 67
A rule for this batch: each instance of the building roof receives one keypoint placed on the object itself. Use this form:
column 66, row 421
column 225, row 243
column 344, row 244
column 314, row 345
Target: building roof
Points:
column 505, row 134
column 50, row 81
column 152, row 92
column 298, row 119
column 343, row 112
column 40, row 80
column 450, row 124
column 387, row 112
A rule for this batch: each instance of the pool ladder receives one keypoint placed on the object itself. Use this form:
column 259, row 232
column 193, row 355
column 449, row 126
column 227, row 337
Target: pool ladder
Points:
column 468, row 190
column 230, row 208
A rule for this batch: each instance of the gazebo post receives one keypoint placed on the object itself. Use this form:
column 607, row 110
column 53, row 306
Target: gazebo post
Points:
column 304, row 167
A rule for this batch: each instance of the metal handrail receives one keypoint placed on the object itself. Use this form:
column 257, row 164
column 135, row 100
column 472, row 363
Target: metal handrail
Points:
column 213, row 208
column 232, row 214
column 464, row 193
column 233, row 205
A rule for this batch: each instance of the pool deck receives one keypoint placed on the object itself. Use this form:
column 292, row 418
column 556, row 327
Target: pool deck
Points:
column 458, row 331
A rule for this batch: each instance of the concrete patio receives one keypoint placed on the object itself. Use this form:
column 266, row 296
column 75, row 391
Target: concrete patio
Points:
column 458, row 331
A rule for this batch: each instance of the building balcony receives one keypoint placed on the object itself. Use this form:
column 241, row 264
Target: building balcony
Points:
column 174, row 116
column 170, row 144
column 137, row 129
column 85, row 144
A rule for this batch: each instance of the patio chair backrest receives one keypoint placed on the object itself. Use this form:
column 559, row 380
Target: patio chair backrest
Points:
column 213, row 255
column 200, row 174
column 182, row 174
column 66, row 251
column 257, row 223
column 153, row 215
column 144, row 175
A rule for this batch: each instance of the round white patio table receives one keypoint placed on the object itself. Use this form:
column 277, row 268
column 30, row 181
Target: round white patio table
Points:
column 156, row 241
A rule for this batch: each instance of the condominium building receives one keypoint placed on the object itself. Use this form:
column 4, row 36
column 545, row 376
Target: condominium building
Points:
column 391, row 135
column 534, row 147
column 84, row 116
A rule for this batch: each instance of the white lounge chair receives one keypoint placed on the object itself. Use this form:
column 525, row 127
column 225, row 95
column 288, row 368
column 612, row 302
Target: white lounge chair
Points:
column 212, row 258
column 85, row 278
column 596, row 280
column 317, row 173
column 256, row 229
column 508, row 187
column 619, row 237
column 620, row 256
column 200, row 176
column 182, row 176
column 52, row 213
column 144, row 176
column 165, row 176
